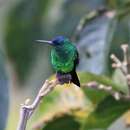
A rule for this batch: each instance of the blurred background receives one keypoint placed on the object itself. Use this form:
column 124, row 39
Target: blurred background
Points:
column 97, row 27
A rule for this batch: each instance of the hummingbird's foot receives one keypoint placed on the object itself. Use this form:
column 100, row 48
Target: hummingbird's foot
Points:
column 69, row 83
column 64, row 78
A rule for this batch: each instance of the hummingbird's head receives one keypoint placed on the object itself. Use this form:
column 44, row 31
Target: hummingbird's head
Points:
column 57, row 41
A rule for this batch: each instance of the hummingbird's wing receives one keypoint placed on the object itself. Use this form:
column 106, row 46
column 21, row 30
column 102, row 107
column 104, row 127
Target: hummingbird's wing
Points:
column 76, row 61
column 74, row 78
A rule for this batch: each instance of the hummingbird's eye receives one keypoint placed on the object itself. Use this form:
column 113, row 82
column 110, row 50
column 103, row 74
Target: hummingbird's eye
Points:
column 56, row 42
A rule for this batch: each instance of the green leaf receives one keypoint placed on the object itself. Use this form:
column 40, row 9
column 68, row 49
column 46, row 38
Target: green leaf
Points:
column 49, row 101
column 105, row 114
column 89, row 97
column 92, row 96
column 120, row 79
column 94, row 42
column 86, row 77
column 65, row 122
column 62, row 98
column 95, row 95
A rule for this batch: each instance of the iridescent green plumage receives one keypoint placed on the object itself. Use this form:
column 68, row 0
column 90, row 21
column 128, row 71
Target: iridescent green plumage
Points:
column 63, row 57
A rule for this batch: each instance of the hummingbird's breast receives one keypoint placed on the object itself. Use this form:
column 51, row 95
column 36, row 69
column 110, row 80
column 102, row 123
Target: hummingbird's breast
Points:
column 62, row 54
column 63, row 58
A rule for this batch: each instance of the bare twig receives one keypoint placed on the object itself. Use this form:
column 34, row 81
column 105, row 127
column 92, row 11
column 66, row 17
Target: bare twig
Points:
column 27, row 110
column 122, row 65
column 108, row 89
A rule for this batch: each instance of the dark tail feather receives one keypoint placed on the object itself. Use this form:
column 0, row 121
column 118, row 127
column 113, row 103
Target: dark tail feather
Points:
column 75, row 78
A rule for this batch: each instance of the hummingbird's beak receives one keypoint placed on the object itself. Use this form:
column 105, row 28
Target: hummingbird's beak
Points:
column 44, row 41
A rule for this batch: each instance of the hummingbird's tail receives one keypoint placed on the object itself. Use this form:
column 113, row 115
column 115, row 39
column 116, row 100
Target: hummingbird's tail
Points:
column 75, row 78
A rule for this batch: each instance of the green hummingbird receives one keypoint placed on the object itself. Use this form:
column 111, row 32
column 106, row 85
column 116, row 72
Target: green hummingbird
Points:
column 64, row 59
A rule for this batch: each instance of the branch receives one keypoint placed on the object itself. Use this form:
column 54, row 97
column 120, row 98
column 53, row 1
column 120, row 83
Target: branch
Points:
column 27, row 110
column 122, row 65
column 108, row 89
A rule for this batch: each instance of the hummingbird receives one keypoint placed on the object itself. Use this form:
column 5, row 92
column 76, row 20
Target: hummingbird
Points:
column 64, row 59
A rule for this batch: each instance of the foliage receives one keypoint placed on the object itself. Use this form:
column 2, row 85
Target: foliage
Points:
column 23, row 28
column 90, row 108
column 105, row 114
column 65, row 122
column 103, row 26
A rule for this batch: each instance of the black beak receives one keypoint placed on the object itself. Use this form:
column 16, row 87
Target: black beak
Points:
column 44, row 41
